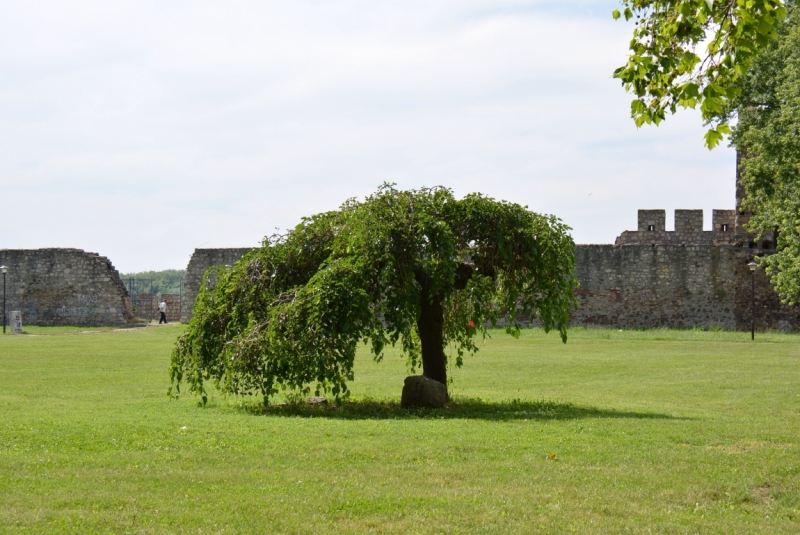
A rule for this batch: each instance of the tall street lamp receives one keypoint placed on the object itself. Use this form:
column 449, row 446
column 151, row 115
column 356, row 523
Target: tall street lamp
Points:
column 752, row 266
column 4, row 270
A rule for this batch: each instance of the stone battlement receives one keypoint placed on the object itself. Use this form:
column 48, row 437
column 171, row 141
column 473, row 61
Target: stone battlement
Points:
column 688, row 229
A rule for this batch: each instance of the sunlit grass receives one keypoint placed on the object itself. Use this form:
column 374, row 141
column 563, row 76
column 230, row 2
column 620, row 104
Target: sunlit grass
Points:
column 658, row 431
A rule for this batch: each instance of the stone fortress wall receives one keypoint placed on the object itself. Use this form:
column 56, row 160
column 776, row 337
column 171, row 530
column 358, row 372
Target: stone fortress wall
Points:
column 201, row 260
column 688, row 229
column 664, row 285
column 650, row 277
column 64, row 287
column 147, row 306
column 638, row 286
column 688, row 277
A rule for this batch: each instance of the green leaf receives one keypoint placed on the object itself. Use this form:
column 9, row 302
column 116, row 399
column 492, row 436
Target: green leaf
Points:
column 690, row 52
column 712, row 138
column 724, row 129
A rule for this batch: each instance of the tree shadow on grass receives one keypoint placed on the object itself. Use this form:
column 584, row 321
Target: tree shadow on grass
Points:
column 466, row 409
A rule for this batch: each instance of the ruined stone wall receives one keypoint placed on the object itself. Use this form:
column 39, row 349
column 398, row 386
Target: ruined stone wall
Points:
column 64, row 287
column 201, row 260
column 146, row 306
column 173, row 302
column 675, row 286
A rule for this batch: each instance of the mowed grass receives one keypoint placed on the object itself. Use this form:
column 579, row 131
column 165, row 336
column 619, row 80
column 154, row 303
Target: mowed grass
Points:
column 614, row 432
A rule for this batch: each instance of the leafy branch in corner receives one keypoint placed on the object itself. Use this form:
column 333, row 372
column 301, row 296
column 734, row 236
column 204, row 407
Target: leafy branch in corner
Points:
column 690, row 53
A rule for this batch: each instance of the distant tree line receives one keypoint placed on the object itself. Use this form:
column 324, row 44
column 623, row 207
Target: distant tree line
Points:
column 167, row 281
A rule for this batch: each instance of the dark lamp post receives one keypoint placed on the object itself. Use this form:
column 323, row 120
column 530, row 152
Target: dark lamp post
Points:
column 752, row 266
column 4, row 270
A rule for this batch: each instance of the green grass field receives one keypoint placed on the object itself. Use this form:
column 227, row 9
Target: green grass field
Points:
column 614, row 432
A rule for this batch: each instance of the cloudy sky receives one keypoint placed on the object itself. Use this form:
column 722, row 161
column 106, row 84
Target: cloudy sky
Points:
column 142, row 130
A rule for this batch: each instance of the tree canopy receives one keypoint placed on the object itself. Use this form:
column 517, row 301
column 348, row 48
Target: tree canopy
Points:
column 417, row 268
column 689, row 53
column 768, row 134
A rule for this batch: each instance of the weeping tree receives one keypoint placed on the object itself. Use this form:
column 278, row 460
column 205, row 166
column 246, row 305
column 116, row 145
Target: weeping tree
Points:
column 418, row 269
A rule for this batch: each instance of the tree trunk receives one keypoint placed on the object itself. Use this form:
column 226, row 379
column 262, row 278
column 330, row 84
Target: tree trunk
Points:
column 430, row 325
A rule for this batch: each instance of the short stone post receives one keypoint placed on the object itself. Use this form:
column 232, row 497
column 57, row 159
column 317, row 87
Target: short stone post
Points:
column 16, row 321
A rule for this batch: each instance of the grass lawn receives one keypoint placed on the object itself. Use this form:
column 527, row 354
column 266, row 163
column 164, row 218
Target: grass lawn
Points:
column 614, row 432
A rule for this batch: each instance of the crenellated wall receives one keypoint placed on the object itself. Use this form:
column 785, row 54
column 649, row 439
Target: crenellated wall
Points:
column 64, row 287
column 688, row 277
column 688, row 229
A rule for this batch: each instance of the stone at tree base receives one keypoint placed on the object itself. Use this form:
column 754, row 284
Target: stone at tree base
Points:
column 420, row 391
column 316, row 400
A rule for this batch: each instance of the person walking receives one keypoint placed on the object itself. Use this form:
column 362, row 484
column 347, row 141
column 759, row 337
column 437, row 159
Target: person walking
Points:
column 162, row 309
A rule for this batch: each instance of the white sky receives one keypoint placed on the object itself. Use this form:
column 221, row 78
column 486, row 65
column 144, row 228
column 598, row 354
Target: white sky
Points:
column 141, row 130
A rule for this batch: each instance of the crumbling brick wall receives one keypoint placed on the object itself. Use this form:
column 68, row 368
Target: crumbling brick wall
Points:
column 146, row 306
column 201, row 260
column 64, row 287
column 173, row 302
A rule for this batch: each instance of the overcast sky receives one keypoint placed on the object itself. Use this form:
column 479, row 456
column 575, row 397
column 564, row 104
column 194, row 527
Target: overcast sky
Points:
column 142, row 130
